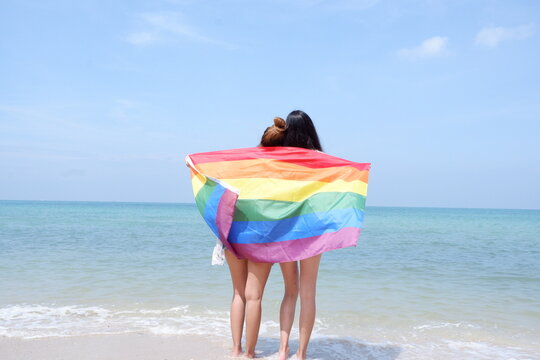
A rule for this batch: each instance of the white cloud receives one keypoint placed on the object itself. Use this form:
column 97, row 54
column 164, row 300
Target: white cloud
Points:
column 432, row 47
column 492, row 36
column 163, row 26
column 142, row 38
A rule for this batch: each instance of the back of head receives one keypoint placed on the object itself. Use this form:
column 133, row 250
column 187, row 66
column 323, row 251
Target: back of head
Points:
column 301, row 131
column 274, row 135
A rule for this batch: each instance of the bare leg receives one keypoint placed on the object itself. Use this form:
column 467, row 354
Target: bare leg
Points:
column 238, row 269
column 288, row 306
column 256, row 280
column 309, row 269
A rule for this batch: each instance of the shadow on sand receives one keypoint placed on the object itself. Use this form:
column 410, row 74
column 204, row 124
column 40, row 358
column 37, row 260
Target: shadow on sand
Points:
column 330, row 348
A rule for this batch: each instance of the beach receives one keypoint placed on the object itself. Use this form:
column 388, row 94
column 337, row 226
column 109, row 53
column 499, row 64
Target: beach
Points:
column 144, row 346
column 123, row 346
column 90, row 280
column 173, row 347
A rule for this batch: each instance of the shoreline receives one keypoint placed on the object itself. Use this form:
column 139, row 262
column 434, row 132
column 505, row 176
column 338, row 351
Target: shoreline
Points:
column 145, row 346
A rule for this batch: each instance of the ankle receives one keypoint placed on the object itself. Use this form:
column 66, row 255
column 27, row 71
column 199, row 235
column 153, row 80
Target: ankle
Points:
column 284, row 349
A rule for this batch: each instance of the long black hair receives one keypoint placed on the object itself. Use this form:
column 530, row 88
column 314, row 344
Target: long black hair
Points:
column 300, row 131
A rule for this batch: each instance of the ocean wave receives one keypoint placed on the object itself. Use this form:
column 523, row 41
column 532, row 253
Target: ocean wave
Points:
column 441, row 325
column 36, row 320
column 30, row 321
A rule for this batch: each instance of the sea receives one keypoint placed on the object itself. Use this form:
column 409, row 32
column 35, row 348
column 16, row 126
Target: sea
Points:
column 423, row 283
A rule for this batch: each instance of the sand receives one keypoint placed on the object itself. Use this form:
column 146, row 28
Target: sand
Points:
column 117, row 347
column 139, row 346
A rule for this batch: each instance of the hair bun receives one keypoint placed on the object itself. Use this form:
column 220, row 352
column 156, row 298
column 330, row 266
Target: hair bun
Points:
column 279, row 123
column 273, row 135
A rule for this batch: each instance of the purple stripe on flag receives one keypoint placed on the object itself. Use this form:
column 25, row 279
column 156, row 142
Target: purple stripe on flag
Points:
column 298, row 249
column 225, row 215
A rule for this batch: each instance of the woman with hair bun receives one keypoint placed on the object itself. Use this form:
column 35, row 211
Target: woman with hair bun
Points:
column 248, row 277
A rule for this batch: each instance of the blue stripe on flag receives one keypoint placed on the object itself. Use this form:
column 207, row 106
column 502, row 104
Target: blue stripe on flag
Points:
column 211, row 208
column 299, row 227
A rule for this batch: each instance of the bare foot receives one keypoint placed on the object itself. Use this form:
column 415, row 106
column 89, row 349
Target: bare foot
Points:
column 236, row 352
column 250, row 356
column 300, row 356
column 283, row 354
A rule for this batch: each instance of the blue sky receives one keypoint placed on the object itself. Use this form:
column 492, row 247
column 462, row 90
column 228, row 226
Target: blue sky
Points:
column 101, row 100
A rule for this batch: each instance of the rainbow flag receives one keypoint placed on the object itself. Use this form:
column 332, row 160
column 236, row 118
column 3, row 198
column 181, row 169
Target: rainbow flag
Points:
column 278, row 204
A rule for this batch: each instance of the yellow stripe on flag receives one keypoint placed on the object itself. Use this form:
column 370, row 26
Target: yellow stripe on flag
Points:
column 291, row 190
column 197, row 182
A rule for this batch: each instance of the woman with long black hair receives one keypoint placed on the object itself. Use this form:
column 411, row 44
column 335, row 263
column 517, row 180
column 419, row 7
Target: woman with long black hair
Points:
column 300, row 277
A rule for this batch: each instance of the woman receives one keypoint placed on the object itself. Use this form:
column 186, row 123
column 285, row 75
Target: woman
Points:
column 249, row 278
column 299, row 132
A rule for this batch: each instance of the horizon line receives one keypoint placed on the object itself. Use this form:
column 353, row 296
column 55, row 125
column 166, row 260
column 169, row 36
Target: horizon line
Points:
column 193, row 203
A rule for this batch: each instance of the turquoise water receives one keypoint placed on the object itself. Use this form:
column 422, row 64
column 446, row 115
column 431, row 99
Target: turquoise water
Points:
column 424, row 283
